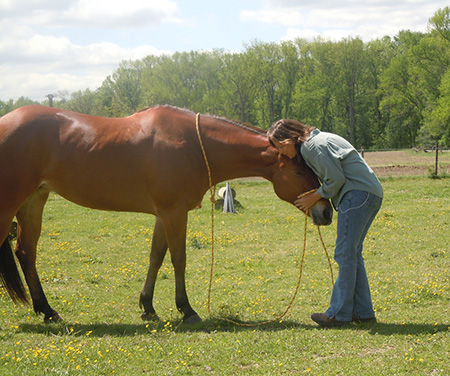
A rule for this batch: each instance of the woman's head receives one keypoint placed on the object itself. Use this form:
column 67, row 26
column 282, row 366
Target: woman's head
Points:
column 285, row 129
column 288, row 135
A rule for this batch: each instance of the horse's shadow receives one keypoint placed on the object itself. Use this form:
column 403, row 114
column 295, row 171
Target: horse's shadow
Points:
column 122, row 329
column 214, row 325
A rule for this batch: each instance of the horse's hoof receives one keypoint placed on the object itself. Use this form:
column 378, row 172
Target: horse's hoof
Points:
column 191, row 320
column 55, row 318
column 149, row 317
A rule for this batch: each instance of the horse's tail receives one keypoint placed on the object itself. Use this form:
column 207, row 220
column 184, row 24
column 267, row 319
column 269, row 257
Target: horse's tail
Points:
column 9, row 274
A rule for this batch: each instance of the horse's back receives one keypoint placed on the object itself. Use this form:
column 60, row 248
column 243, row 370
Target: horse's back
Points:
column 130, row 164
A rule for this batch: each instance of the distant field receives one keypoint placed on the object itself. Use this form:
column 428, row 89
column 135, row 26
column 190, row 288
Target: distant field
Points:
column 406, row 162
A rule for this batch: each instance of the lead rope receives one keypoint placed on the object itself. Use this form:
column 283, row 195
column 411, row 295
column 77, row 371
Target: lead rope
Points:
column 212, row 190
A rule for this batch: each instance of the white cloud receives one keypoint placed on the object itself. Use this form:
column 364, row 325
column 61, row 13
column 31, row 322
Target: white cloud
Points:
column 23, row 8
column 338, row 19
column 34, row 64
column 283, row 16
column 117, row 13
column 36, row 85
column 91, row 13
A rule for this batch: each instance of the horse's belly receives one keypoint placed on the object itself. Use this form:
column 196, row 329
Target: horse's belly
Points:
column 105, row 196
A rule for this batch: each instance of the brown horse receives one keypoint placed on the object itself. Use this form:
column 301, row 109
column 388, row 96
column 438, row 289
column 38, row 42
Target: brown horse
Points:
column 149, row 162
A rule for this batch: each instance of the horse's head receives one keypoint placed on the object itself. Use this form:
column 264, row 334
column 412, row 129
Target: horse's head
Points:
column 293, row 177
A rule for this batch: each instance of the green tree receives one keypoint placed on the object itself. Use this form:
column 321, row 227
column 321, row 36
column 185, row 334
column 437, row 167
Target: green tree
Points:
column 127, row 89
column 437, row 119
column 104, row 96
column 82, row 101
column 267, row 58
column 403, row 99
column 313, row 96
column 351, row 65
column 175, row 80
column 379, row 55
column 438, row 126
column 11, row 104
column 238, row 85
column 290, row 66
column 208, row 66
column 440, row 23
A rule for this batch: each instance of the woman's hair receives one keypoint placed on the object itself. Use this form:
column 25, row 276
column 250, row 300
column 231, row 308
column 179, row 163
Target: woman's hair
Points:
column 285, row 129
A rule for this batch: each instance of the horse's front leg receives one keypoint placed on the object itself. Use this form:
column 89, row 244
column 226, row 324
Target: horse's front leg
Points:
column 157, row 254
column 175, row 226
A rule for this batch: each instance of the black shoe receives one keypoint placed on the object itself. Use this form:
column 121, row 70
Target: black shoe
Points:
column 324, row 320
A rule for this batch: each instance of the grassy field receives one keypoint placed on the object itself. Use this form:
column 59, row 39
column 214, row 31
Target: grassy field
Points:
column 93, row 265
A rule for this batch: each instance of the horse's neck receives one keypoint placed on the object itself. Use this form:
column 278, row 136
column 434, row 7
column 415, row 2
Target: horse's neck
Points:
column 244, row 157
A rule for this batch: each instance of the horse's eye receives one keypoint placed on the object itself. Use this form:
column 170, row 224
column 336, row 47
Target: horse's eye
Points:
column 298, row 173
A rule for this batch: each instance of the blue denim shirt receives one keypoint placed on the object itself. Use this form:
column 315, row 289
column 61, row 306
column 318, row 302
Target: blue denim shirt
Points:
column 339, row 166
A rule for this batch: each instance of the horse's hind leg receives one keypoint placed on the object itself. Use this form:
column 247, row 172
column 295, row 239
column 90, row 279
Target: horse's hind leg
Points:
column 29, row 218
column 157, row 254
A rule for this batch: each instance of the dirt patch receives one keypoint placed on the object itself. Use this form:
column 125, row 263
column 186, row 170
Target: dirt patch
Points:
column 406, row 162
column 399, row 170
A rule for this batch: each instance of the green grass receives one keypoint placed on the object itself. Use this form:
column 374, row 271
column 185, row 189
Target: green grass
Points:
column 93, row 265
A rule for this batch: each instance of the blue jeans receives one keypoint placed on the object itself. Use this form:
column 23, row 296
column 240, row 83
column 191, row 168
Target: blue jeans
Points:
column 351, row 293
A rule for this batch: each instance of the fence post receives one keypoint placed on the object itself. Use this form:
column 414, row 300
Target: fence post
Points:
column 436, row 160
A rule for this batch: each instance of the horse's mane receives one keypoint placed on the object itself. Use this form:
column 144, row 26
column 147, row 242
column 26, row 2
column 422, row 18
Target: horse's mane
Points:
column 246, row 126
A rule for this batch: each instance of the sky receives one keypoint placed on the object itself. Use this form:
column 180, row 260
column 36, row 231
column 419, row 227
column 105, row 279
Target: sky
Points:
column 56, row 46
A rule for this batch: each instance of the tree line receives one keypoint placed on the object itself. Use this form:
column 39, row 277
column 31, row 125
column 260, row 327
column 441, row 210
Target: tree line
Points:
column 386, row 93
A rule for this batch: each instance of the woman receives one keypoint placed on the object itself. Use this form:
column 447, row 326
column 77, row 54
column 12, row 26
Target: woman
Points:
column 356, row 194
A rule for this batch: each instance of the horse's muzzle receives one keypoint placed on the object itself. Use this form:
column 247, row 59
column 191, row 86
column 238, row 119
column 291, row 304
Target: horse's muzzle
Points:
column 321, row 214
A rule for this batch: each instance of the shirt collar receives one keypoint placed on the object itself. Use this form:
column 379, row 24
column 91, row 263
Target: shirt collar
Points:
column 314, row 133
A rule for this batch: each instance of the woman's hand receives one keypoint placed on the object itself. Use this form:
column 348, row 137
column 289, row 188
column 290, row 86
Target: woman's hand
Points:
column 307, row 201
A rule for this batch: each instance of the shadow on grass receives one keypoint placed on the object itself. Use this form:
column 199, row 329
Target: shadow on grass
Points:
column 123, row 330
column 213, row 325
column 404, row 328
column 388, row 329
